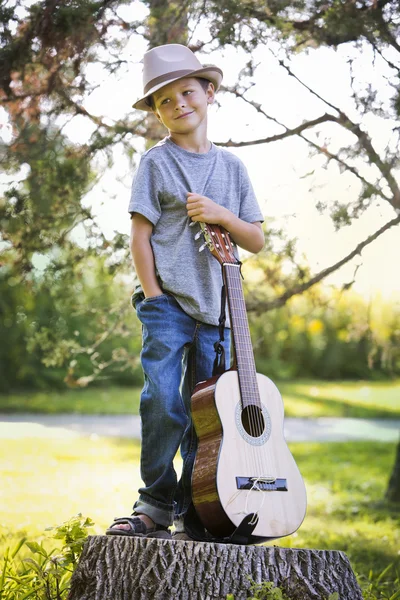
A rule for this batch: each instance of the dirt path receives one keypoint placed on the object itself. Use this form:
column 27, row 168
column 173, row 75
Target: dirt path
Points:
column 128, row 426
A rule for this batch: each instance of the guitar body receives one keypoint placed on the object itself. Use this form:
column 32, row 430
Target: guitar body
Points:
column 244, row 474
column 229, row 458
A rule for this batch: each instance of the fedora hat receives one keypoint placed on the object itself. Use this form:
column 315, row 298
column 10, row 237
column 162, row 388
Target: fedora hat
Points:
column 164, row 64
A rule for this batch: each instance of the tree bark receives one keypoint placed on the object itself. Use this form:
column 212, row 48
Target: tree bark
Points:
column 167, row 23
column 131, row 568
column 393, row 489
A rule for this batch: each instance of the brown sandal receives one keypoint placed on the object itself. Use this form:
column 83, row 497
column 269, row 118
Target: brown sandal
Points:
column 138, row 528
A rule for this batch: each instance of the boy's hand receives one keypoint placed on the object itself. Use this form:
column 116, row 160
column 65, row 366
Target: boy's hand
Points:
column 249, row 236
column 201, row 208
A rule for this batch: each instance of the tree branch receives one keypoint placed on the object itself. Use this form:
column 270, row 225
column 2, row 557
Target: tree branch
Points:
column 385, row 31
column 363, row 138
column 279, row 136
column 313, row 92
column 261, row 306
column 336, row 157
column 379, row 51
column 322, row 32
column 298, row 131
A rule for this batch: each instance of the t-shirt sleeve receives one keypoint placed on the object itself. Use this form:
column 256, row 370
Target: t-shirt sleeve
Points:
column 146, row 187
column 249, row 209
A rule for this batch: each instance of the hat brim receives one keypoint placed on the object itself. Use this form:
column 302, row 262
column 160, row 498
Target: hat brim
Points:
column 213, row 74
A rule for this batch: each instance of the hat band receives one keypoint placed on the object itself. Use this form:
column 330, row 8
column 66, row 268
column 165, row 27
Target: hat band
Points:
column 174, row 74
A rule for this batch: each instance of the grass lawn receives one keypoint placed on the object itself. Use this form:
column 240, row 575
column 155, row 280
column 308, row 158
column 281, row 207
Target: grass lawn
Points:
column 108, row 400
column 311, row 398
column 45, row 482
column 359, row 399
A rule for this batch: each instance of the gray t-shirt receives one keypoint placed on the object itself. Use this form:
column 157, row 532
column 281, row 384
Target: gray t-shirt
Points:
column 164, row 176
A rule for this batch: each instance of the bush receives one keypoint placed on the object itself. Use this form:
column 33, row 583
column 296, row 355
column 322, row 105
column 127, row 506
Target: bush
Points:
column 44, row 574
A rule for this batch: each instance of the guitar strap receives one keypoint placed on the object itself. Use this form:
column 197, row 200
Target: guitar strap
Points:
column 219, row 362
column 192, row 523
column 242, row 535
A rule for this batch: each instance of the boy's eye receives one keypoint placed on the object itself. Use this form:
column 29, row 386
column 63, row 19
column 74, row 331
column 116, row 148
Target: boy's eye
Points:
column 184, row 93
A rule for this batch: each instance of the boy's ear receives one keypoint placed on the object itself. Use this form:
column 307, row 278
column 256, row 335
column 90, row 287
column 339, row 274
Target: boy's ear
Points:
column 155, row 113
column 210, row 93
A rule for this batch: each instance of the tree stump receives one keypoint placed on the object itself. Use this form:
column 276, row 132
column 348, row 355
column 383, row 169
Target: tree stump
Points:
column 131, row 568
column 393, row 489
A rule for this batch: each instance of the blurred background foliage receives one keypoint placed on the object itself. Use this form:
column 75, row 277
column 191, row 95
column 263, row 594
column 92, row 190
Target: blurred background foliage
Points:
column 79, row 327
column 66, row 317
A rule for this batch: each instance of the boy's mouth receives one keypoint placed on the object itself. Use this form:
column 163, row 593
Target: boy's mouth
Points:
column 185, row 115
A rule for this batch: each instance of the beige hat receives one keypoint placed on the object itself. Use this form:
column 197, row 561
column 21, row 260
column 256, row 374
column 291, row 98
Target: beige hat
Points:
column 164, row 64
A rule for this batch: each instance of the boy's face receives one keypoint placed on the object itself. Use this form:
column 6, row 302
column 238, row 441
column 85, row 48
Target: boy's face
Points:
column 182, row 105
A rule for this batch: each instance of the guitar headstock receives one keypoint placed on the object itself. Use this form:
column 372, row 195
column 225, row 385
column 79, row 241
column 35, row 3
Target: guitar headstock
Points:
column 218, row 241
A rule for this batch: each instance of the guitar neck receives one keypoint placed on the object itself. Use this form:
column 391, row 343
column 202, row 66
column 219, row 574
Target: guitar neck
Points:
column 241, row 336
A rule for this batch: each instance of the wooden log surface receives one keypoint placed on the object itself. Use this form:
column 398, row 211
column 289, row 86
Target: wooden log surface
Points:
column 132, row 568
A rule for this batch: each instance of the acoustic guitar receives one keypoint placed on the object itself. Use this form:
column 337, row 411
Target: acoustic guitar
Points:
column 243, row 465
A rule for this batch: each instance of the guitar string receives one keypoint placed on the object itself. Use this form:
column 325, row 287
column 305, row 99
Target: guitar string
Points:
column 248, row 386
column 251, row 457
column 243, row 384
column 226, row 259
column 257, row 423
column 246, row 508
column 251, row 384
column 226, row 241
column 255, row 417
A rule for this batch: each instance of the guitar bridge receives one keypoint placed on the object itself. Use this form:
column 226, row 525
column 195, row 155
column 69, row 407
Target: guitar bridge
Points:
column 262, row 484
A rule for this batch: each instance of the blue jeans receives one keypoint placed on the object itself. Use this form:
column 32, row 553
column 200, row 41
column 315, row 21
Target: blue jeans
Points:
column 177, row 352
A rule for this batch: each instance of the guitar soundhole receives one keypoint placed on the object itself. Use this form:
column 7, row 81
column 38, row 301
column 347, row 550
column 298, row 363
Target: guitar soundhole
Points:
column 253, row 421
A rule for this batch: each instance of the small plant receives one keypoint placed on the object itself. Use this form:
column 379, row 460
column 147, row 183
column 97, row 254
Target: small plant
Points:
column 44, row 574
column 385, row 586
column 263, row 591
column 267, row 591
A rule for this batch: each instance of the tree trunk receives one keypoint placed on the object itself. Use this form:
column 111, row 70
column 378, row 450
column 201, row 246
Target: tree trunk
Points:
column 393, row 489
column 131, row 568
column 167, row 23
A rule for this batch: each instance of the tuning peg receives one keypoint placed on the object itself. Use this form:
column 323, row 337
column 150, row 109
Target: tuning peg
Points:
column 192, row 223
column 202, row 247
column 198, row 235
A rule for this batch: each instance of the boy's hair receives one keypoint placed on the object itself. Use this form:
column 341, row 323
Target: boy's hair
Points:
column 203, row 82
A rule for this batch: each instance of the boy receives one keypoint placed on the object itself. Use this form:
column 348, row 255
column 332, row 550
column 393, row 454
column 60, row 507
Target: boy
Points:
column 182, row 180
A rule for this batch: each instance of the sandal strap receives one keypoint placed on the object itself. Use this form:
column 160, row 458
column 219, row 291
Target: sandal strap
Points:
column 136, row 525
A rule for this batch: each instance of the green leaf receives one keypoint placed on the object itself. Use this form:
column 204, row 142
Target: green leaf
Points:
column 28, row 594
column 34, row 564
column 18, row 547
column 36, row 548
column 3, row 575
column 381, row 575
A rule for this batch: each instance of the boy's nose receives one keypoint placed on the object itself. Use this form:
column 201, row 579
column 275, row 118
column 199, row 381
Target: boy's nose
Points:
column 179, row 104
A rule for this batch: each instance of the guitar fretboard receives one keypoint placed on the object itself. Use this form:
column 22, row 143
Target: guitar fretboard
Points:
column 241, row 336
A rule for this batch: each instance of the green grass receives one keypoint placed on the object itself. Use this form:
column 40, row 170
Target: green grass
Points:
column 358, row 399
column 311, row 398
column 345, row 485
column 45, row 482
column 109, row 400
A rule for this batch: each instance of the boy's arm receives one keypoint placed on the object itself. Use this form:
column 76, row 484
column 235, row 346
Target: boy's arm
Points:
column 249, row 236
column 142, row 255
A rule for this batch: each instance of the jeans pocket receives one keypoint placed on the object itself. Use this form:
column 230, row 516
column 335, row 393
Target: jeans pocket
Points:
column 153, row 310
column 151, row 299
column 136, row 299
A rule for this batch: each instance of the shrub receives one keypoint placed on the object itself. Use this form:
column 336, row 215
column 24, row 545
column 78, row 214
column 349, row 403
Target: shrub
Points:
column 44, row 574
